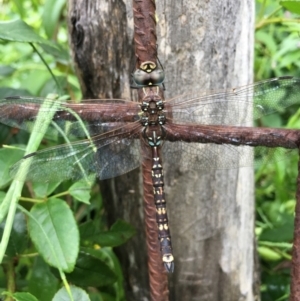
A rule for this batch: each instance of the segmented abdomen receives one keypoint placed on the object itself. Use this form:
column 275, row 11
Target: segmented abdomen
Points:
column 164, row 235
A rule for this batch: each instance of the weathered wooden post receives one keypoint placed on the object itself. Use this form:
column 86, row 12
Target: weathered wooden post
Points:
column 203, row 45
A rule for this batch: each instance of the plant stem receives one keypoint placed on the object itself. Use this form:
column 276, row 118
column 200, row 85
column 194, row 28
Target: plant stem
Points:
column 47, row 66
column 265, row 22
column 10, row 276
column 15, row 189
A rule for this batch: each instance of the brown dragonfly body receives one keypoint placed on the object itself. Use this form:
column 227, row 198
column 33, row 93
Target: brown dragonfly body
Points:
column 153, row 120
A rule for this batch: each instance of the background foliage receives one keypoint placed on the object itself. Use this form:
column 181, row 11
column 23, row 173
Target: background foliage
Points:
column 276, row 54
column 22, row 72
column 65, row 239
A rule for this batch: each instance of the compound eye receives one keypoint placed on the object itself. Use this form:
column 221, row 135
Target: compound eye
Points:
column 157, row 77
column 141, row 77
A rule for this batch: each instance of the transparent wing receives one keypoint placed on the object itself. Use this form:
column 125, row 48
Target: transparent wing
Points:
column 239, row 106
column 72, row 119
column 112, row 154
column 196, row 156
column 235, row 107
column 108, row 155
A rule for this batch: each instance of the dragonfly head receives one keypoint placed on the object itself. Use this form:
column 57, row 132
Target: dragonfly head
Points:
column 147, row 75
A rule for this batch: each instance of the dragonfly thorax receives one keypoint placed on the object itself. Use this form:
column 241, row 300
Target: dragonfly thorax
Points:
column 153, row 138
column 152, row 106
column 153, row 112
column 153, row 118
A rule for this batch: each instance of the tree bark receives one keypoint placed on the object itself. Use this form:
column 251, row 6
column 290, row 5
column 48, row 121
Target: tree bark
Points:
column 202, row 45
column 209, row 45
column 101, row 39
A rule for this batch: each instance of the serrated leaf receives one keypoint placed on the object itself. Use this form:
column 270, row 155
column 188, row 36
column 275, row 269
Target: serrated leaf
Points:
column 24, row 297
column 53, row 230
column 78, row 294
column 119, row 233
column 91, row 270
column 292, row 6
column 19, row 31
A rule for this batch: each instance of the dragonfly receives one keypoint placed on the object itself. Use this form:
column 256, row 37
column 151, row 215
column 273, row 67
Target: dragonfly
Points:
column 110, row 132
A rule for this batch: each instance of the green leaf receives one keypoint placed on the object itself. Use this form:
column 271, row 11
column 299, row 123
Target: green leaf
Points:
column 52, row 12
column 78, row 294
column 279, row 233
column 18, row 239
column 294, row 121
column 91, row 270
column 2, row 196
column 53, row 230
column 95, row 296
column 81, row 191
column 6, row 70
column 8, row 157
column 111, row 257
column 19, row 31
column 24, row 297
column 20, row 7
column 42, row 283
column 49, row 86
column 119, row 233
column 292, row 6
column 9, row 204
column 7, row 91
column 288, row 60
column 268, row 254
column 42, row 190
column 36, row 80
column 59, row 53
column 267, row 40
